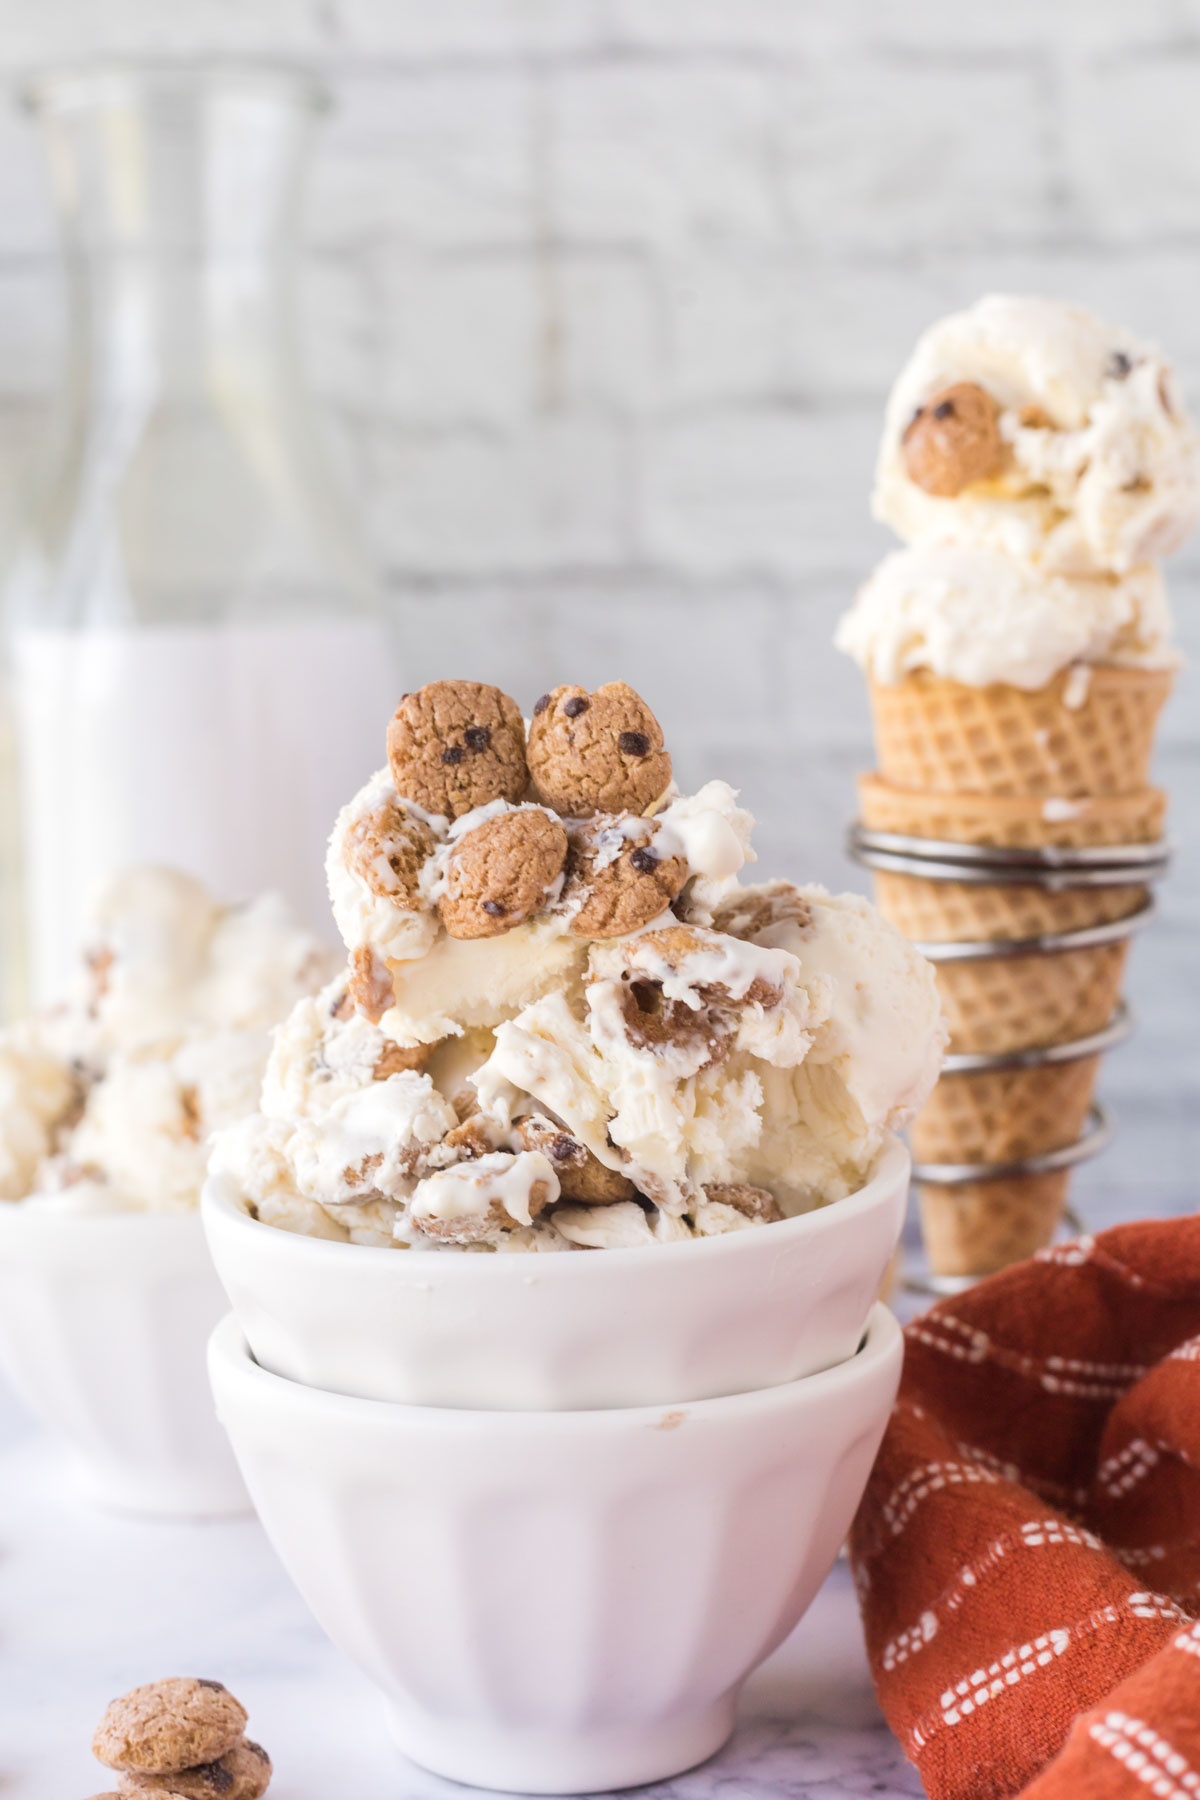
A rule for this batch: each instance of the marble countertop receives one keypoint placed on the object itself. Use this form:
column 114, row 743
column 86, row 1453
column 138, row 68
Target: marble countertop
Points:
column 92, row 1603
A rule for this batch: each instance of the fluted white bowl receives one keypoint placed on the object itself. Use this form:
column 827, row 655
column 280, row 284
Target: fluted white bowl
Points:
column 103, row 1325
column 559, row 1602
column 655, row 1326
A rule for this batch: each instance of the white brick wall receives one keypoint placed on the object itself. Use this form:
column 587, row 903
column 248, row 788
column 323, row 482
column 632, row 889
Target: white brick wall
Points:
column 603, row 298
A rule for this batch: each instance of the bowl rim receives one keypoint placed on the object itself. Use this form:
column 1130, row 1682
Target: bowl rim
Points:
column 229, row 1353
column 891, row 1169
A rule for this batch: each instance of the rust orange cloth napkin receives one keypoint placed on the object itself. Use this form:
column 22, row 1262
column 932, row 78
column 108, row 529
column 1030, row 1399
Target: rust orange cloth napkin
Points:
column 1028, row 1549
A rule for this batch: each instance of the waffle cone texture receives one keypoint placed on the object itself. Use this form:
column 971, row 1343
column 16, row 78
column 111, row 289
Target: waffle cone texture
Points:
column 1080, row 735
column 1011, row 769
column 1014, row 821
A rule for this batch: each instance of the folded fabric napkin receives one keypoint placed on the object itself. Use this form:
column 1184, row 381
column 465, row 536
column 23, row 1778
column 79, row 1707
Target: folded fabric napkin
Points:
column 1028, row 1549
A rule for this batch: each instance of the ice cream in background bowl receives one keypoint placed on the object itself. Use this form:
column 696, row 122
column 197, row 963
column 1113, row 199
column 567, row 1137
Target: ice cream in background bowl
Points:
column 107, row 1103
column 579, row 1083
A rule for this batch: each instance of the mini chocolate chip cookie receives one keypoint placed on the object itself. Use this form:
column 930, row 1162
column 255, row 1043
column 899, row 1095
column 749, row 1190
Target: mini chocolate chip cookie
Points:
column 169, row 1725
column 502, row 872
column 456, row 745
column 243, row 1773
column 370, row 984
column 752, row 1202
column 597, row 753
column 954, row 440
column 387, row 849
column 581, row 1176
column 621, row 877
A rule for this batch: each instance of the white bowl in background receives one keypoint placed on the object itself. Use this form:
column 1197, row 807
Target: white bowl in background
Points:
column 559, row 1602
column 103, row 1324
column 602, row 1328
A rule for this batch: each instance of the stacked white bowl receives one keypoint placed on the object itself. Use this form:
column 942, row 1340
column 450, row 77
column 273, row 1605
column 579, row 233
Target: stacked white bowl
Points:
column 558, row 1507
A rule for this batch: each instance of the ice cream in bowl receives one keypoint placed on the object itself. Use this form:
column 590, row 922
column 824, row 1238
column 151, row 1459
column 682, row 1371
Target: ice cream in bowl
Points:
column 587, row 1120
column 107, row 1101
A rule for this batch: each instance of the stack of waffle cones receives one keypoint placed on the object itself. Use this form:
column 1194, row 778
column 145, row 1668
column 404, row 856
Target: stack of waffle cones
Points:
column 1057, row 770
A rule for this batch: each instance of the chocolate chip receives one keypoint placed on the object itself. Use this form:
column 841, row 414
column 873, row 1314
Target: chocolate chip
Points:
column 255, row 1749
column 944, row 409
column 634, row 743
column 564, row 1149
column 644, row 861
column 540, row 705
column 493, row 908
column 1120, row 364
column 575, row 705
column 215, row 1776
column 477, row 737
column 453, row 753
column 218, row 1687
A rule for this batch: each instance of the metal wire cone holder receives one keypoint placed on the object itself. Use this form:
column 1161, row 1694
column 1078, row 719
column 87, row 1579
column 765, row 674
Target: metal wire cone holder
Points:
column 1052, row 868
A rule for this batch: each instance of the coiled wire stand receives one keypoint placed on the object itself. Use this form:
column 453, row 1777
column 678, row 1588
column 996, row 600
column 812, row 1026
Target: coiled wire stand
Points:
column 1054, row 869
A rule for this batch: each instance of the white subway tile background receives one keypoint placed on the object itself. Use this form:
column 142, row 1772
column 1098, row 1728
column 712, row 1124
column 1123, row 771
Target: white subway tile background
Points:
column 602, row 301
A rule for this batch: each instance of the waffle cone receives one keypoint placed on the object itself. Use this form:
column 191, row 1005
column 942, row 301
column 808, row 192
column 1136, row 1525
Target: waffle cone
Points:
column 1014, row 821
column 981, row 1226
column 1015, row 1002
column 945, row 737
column 953, row 912
column 996, row 1115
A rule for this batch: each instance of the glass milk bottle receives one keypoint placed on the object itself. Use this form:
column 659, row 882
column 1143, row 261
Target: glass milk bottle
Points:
column 198, row 670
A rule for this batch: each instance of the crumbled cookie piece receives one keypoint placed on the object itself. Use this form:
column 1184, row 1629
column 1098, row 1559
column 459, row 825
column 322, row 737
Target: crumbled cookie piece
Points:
column 169, row 1725
column 656, row 1023
column 597, row 753
column 476, row 1136
column 752, row 1202
column 465, row 1102
column 387, row 849
column 477, row 1201
column 751, row 911
column 456, row 745
column 623, row 880
column 396, row 1059
column 370, row 984
column 502, row 872
column 581, row 1176
column 243, row 1773
column 954, row 440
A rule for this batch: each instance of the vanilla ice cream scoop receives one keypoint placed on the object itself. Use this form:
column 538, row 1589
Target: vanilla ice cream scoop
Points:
column 1029, row 426
column 978, row 616
column 560, row 1033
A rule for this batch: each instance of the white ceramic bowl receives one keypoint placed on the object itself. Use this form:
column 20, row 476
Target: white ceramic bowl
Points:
column 559, row 1602
column 103, row 1326
column 657, row 1326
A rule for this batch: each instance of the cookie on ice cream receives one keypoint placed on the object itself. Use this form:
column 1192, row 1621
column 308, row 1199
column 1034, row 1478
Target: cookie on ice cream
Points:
column 568, row 1026
column 456, row 745
column 1029, row 426
column 598, row 752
